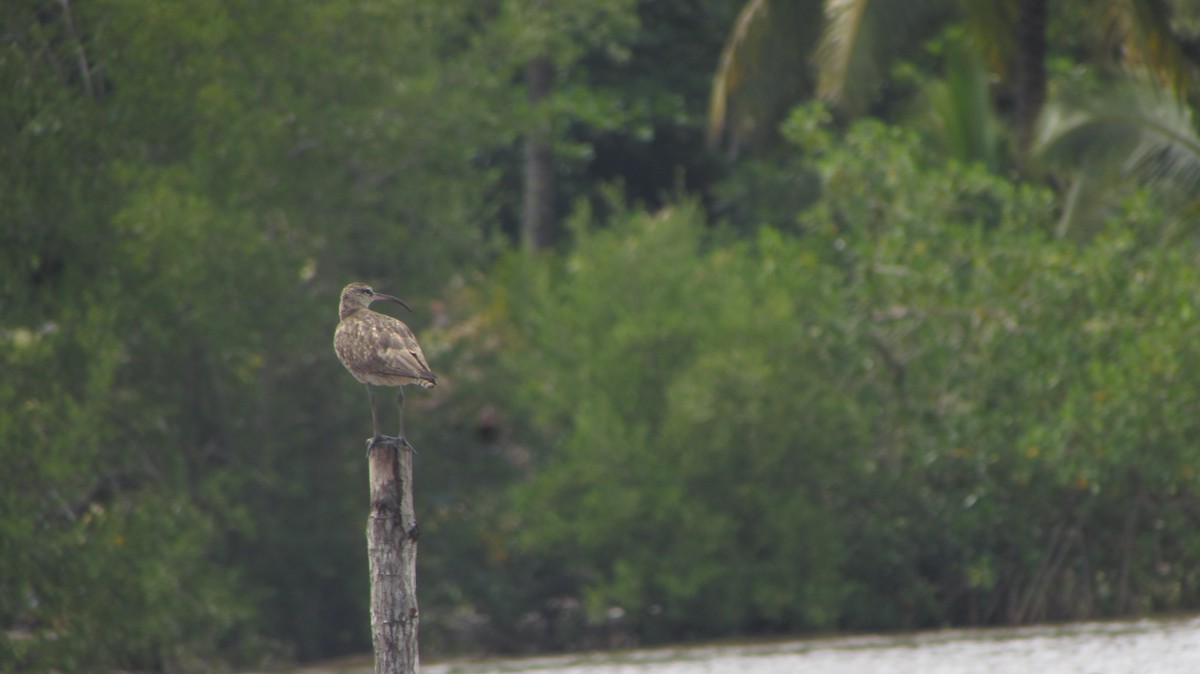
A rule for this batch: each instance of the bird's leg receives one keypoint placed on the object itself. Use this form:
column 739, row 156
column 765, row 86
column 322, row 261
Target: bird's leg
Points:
column 376, row 438
column 400, row 439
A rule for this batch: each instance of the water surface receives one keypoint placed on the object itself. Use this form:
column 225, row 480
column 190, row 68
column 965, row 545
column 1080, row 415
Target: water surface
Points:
column 1161, row 646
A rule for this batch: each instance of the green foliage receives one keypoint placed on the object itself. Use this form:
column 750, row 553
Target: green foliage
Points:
column 881, row 396
column 661, row 431
column 184, row 193
column 956, row 112
column 920, row 410
column 97, row 544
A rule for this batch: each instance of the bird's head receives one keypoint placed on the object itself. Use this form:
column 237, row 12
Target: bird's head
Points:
column 358, row 296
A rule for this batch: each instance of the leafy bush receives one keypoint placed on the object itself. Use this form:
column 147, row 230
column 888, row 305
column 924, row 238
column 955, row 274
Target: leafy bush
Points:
column 919, row 410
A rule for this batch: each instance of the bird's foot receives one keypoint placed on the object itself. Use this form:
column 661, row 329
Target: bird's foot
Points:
column 402, row 443
column 388, row 441
column 385, row 440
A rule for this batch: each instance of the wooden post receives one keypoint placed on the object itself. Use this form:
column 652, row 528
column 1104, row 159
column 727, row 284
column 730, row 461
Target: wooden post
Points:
column 392, row 549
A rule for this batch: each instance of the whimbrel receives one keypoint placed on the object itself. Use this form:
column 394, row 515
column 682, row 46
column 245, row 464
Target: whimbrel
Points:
column 379, row 351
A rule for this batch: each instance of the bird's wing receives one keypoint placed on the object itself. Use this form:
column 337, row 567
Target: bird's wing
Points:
column 401, row 355
column 382, row 345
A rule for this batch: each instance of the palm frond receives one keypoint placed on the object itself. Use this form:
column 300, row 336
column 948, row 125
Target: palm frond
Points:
column 1151, row 41
column 841, row 46
column 957, row 113
column 1134, row 132
column 991, row 25
column 763, row 70
column 860, row 39
column 729, row 71
column 1131, row 130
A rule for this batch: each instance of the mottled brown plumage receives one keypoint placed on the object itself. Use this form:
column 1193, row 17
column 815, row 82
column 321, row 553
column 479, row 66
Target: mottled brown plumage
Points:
column 379, row 350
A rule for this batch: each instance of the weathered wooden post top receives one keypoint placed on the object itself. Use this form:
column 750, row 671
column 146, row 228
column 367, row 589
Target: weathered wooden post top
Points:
column 381, row 351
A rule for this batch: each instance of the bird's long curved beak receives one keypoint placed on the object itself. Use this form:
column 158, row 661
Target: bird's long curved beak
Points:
column 389, row 298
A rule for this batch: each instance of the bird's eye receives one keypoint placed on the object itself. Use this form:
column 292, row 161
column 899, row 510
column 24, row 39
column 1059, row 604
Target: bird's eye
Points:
column 365, row 291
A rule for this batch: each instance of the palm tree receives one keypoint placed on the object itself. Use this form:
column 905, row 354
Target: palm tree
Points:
column 1029, row 90
column 859, row 37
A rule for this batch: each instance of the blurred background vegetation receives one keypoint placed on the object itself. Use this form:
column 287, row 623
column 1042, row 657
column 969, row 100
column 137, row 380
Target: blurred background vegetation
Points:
column 751, row 317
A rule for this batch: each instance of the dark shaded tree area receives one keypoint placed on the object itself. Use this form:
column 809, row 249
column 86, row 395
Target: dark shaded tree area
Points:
column 854, row 373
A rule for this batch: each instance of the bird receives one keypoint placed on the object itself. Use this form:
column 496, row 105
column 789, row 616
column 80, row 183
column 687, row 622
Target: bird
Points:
column 379, row 351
